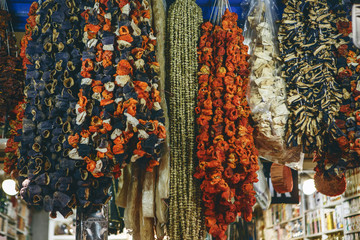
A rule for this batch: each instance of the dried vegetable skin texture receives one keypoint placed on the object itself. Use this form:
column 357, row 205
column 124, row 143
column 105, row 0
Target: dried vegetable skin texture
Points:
column 183, row 32
column 118, row 113
column 47, row 176
column 228, row 159
column 314, row 95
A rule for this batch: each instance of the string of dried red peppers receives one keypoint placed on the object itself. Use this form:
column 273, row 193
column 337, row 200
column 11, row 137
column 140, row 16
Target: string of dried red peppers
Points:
column 17, row 114
column 227, row 156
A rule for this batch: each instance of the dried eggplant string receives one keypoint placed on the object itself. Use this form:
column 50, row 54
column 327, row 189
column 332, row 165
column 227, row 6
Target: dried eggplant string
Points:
column 184, row 20
column 227, row 155
column 314, row 97
column 344, row 153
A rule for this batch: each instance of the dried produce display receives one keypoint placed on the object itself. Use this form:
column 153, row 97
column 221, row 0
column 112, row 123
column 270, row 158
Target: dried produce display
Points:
column 12, row 150
column 29, row 26
column 228, row 159
column 183, row 23
column 330, row 169
column 119, row 110
column 12, row 145
column 11, row 75
column 267, row 97
column 314, row 95
column 92, row 101
column 47, row 176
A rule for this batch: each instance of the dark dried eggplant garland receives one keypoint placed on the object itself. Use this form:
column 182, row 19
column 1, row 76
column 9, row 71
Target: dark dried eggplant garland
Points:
column 47, row 175
column 330, row 175
column 314, row 97
column 348, row 74
column 227, row 155
column 183, row 23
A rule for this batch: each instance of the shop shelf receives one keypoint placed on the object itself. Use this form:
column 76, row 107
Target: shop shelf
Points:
column 314, row 235
column 352, row 214
column 334, row 231
column 297, row 238
column 351, row 197
column 334, row 204
column 63, row 237
column 353, row 231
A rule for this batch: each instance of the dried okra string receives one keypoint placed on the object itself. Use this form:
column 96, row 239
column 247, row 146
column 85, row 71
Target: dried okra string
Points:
column 228, row 159
column 183, row 25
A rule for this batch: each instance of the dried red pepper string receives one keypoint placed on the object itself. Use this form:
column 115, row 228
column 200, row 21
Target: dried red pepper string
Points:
column 12, row 145
column 226, row 152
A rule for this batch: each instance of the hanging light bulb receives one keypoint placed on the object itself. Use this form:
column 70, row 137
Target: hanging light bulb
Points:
column 9, row 187
column 309, row 187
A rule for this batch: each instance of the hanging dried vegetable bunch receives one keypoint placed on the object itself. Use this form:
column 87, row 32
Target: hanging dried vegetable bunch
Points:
column 47, row 176
column 330, row 170
column 12, row 145
column 118, row 111
column 11, row 74
column 16, row 115
column 314, row 96
column 29, row 26
column 267, row 88
column 348, row 75
column 228, row 159
column 183, row 24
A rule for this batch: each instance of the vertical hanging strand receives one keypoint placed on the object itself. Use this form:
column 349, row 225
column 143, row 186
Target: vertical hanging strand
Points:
column 183, row 23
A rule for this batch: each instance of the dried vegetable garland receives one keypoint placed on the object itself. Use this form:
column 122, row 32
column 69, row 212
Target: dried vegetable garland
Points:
column 227, row 155
column 71, row 147
column 314, row 96
column 11, row 74
column 119, row 110
column 330, row 170
column 183, row 25
column 12, row 145
column 48, row 177
column 267, row 97
column 348, row 74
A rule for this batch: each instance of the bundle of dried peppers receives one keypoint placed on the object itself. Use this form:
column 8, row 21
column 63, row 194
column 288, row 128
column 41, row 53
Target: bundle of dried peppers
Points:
column 12, row 148
column 228, row 159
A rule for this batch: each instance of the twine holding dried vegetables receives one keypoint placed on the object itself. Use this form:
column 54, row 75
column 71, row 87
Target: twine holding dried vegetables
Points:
column 227, row 155
column 183, row 23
